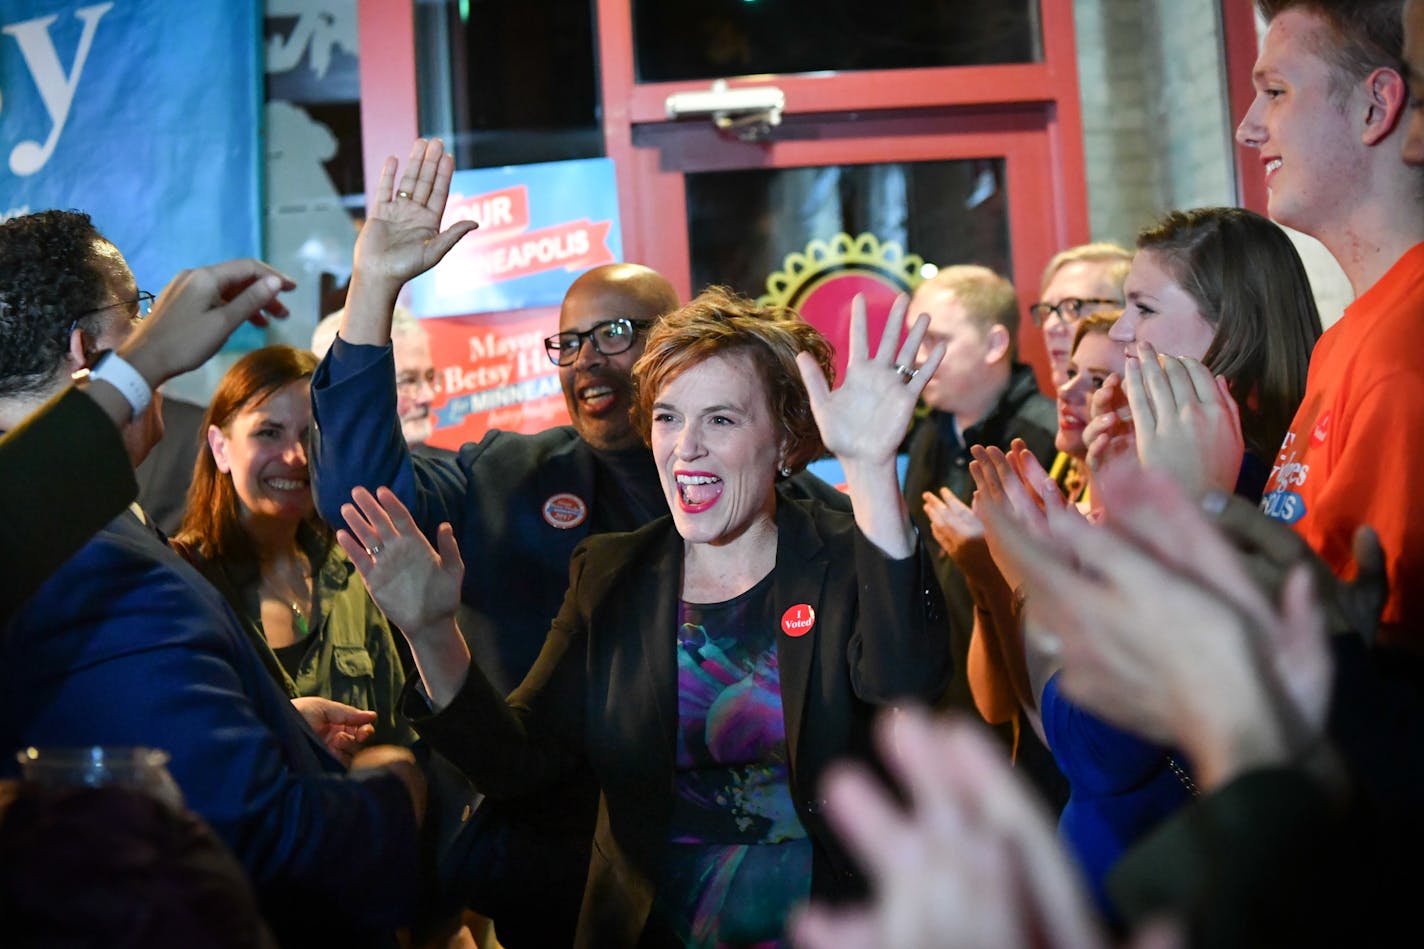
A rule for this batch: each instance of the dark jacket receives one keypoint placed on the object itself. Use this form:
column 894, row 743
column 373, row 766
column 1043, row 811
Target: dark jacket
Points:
column 529, row 856
column 64, row 473
column 937, row 460
column 605, row 690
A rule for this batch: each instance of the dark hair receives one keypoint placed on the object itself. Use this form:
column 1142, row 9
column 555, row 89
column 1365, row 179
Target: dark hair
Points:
column 116, row 867
column 719, row 322
column 54, row 271
column 211, row 523
column 1367, row 35
column 1248, row 282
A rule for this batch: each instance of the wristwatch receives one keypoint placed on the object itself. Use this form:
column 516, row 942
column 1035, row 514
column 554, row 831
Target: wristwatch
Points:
column 111, row 368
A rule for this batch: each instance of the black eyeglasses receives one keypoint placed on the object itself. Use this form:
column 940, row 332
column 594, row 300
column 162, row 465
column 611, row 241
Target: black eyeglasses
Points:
column 144, row 303
column 1069, row 309
column 610, row 338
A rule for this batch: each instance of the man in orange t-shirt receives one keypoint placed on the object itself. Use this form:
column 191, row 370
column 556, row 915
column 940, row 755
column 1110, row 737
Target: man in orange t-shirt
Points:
column 1329, row 120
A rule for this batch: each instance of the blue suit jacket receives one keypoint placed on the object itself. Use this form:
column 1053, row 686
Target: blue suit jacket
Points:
column 127, row 645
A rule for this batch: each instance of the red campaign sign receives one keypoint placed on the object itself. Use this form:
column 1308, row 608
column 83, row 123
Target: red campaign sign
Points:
column 577, row 245
column 493, row 373
column 497, row 212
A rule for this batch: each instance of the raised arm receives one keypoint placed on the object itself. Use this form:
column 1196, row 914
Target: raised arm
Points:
column 864, row 420
column 400, row 240
column 497, row 742
column 358, row 436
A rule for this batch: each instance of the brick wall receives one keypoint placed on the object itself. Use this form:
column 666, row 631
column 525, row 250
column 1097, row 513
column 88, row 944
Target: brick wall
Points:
column 1157, row 129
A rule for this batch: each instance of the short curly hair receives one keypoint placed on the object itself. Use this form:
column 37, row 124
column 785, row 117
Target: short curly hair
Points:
column 720, row 322
column 52, row 273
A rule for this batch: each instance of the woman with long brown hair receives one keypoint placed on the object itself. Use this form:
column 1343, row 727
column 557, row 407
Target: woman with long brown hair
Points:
column 251, row 528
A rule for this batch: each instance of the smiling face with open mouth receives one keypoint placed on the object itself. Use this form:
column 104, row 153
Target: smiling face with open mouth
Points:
column 1300, row 124
column 717, row 449
column 598, row 388
column 264, row 450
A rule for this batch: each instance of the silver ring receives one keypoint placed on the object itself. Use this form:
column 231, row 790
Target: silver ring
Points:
column 372, row 551
column 402, row 194
column 906, row 373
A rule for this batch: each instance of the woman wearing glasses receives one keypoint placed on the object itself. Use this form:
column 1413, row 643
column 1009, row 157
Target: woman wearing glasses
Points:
column 711, row 665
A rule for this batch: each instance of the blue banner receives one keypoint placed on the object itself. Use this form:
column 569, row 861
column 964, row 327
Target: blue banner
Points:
column 143, row 113
column 540, row 227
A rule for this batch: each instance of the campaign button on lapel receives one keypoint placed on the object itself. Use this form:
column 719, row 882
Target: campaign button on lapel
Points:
column 565, row 511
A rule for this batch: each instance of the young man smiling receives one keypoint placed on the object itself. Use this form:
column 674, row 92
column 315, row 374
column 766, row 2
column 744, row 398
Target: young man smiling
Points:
column 1329, row 120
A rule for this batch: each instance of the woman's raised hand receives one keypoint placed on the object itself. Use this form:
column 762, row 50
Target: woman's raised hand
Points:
column 401, row 238
column 413, row 584
column 1187, row 423
column 864, row 419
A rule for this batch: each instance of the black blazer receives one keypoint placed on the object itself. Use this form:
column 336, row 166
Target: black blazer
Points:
column 605, row 689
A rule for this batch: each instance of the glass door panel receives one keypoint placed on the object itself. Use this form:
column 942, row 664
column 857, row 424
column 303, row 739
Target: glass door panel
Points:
column 741, row 225
column 708, row 39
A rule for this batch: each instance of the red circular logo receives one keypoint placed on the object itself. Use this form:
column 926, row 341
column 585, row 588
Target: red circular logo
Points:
column 565, row 511
column 1321, row 431
column 798, row 620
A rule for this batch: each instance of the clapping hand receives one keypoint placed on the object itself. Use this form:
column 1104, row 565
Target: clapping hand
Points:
column 972, row 860
column 956, row 528
column 1109, row 433
column 1015, row 487
column 1186, row 422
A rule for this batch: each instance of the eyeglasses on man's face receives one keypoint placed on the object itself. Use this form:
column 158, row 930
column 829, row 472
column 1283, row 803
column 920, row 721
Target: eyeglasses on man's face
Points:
column 142, row 306
column 610, row 337
column 1068, row 309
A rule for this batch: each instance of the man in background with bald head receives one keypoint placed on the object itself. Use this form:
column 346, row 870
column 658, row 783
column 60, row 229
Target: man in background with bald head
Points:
column 519, row 504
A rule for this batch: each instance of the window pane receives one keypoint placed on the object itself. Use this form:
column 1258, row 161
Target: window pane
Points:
column 510, row 81
column 705, row 39
column 743, row 224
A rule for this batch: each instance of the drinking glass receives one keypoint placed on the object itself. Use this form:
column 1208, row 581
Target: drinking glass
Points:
column 140, row 768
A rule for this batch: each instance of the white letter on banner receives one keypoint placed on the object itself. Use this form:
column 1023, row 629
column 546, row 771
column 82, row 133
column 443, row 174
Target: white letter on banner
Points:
column 56, row 89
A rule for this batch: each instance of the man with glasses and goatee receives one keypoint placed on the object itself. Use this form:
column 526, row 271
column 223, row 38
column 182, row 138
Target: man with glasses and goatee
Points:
column 518, row 504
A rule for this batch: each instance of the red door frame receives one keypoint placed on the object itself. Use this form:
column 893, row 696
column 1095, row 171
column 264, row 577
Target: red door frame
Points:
column 1027, row 113
column 1238, row 34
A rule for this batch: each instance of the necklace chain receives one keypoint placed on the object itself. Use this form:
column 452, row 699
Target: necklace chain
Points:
column 299, row 618
column 1183, row 777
